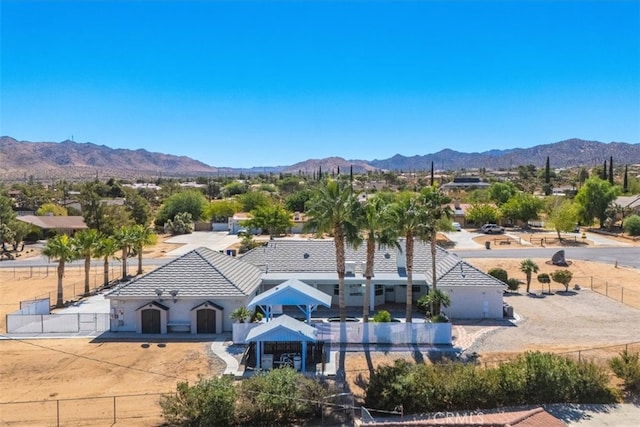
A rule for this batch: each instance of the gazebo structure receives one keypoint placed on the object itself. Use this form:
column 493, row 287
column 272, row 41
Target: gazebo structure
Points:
column 282, row 329
column 292, row 292
column 285, row 329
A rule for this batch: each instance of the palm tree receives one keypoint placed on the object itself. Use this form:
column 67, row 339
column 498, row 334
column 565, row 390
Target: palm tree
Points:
column 435, row 300
column 409, row 217
column 125, row 240
column 87, row 244
column 528, row 267
column 438, row 211
column 331, row 210
column 375, row 224
column 60, row 247
column 107, row 248
column 141, row 236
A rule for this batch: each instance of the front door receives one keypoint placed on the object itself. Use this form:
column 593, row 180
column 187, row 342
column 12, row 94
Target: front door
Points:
column 206, row 321
column 150, row 321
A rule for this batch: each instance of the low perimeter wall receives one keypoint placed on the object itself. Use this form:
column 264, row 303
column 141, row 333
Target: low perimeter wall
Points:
column 372, row 333
column 57, row 323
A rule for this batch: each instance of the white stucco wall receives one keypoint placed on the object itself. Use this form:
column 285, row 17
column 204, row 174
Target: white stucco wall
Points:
column 474, row 302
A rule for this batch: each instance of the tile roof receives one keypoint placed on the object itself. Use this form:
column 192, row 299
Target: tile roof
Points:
column 465, row 274
column 199, row 273
column 292, row 292
column 284, row 328
column 54, row 222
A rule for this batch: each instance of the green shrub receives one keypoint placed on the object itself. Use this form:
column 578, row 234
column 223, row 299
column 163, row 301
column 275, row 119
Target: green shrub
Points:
column 208, row 402
column 513, row 284
column 626, row 366
column 499, row 273
column 632, row 225
column 279, row 397
column 562, row 276
column 241, row 315
column 382, row 316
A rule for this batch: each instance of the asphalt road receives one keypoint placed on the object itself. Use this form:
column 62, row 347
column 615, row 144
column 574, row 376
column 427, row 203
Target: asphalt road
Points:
column 627, row 256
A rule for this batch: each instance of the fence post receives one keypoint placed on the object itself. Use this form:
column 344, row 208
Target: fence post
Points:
column 606, row 287
column 114, row 410
column 591, row 282
column 622, row 294
column 31, row 272
column 58, row 411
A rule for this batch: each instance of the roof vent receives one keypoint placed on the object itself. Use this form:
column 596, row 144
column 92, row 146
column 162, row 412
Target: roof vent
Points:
column 350, row 268
column 306, row 255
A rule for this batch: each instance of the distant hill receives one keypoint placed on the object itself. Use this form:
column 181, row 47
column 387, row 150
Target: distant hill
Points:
column 73, row 160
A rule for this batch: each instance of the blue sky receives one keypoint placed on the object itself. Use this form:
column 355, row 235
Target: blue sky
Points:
column 243, row 84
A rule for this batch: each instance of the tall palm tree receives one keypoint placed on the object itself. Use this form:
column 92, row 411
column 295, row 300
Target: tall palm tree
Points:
column 331, row 210
column 528, row 267
column 87, row 244
column 375, row 223
column 437, row 211
column 141, row 236
column 125, row 240
column 107, row 248
column 409, row 218
column 60, row 247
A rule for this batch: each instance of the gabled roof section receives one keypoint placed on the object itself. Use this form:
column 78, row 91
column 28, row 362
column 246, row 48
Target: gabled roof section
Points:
column 54, row 222
column 284, row 329
column 292, row 292
column 208, row 304
column 155, row 304
column 201, row 273
column 465, row 274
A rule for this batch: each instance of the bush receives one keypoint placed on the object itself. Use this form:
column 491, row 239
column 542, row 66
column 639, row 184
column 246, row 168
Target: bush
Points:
column 499, row 273
column 626, row 366
column 279, row 397
column 632, row 225
column 241, row 315
column 513, row 284
column 180, row 224
column 532, row 378
column 208, row 402
column 382, row 316
column 562, row 276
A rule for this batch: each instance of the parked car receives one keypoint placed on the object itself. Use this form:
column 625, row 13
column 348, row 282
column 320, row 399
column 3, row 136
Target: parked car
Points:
column 456, row 226
column 491, row 229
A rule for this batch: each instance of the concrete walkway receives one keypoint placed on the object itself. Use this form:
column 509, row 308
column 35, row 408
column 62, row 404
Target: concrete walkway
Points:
column 225, row 350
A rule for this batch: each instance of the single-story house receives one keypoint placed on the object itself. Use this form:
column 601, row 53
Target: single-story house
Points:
column 194, row 293
column 197, row 292
column 631, row 203
column 236, row 223
column 60, row 224
column 465, row 183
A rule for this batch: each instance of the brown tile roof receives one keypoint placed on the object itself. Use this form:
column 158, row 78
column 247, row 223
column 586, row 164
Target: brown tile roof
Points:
column 536, row 417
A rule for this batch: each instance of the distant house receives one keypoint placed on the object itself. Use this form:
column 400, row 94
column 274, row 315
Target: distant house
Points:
column 60, row 224
column 236, row 223
column 465, row 183
column 630, row 202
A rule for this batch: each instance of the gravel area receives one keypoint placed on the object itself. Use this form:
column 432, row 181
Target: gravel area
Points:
column 558, row 322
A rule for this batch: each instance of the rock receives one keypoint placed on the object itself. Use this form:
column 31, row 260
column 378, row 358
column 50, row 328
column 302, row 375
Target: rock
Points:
column 559, row 260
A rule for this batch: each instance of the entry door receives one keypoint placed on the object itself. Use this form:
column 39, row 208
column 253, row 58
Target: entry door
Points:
column 206, row 321
column 150, row 321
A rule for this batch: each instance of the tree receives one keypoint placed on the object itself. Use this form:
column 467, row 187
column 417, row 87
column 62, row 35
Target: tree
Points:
column 563, row 215
column 93, row 210
column 499, row 273
column 544, row 278
column 138, row 208
column 51, row 209
column 593, row 199
column 253, row 200
column 374, row 221
column 632, row 225
column 331, row 210
column 62, row 248
column 272, row 219
column 611, row 170
column 482, row 213
column 191, row 201
column 222, row 210
column 528, row 267
column 501, row 192
column 6, row 210
column 625, row 182
column 522, row 207
column 409, row 216
column 141, row 236
column 547, row 172
column 125, row 240
column 295, row 202
column 562, row 276
column 106, row 249
column 87, row 244
column 437, row 211
column 234, row 188
column 434, row 301
column 180, row 224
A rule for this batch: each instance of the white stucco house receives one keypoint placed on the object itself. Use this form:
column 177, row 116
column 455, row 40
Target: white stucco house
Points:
column 197, row 292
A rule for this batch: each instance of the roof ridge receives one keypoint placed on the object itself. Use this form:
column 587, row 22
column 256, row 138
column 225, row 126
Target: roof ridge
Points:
column 225, row 276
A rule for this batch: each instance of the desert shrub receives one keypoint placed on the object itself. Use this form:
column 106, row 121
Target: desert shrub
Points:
column 513, row 284
column 626, row 366
column 632, row 225
column 180, row 224
column 208, row 402
column 279, row 397
column 382, row 316
column 532, row 378
column 562, row 276
column 499, row 273
column 241, row 315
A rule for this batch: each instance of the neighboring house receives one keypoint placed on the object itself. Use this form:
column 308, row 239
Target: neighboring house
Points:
column 465, row 183
column 630, row 202
column 236, row 221
column 299, row 220
column 194, row 293
column 60, row 224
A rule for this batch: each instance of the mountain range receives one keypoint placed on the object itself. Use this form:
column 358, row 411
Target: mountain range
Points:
column 73, row 160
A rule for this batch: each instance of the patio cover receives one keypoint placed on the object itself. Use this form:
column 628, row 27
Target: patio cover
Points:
column 282, row 329
column 292, row 292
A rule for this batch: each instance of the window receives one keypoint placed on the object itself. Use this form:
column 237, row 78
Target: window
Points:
column 379, row 290
column 336, row 289
column 356, row 290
